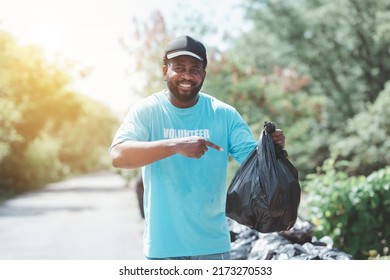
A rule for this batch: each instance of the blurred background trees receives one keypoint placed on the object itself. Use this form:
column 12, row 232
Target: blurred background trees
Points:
column 311, row 66
column 47, row 132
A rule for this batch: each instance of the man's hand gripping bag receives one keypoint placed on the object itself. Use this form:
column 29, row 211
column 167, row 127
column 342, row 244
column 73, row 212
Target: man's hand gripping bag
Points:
column 265, row 192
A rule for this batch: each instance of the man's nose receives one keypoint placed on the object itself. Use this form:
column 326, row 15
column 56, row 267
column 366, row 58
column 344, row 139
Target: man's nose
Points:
column 186, row 74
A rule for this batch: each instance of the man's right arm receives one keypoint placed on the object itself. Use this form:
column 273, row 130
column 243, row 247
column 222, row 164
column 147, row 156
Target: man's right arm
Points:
column 134, row 154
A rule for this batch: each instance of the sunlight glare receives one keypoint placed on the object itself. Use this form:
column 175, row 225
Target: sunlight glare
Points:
column 46, row 33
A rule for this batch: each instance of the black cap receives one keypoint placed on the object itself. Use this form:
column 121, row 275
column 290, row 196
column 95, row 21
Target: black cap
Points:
column 185, row 45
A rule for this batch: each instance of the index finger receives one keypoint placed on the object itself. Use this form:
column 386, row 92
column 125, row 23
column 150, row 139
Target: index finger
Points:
column 214, row 146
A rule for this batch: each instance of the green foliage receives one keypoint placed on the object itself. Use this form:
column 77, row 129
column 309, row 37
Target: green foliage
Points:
column 47, row 132
column 352, row 210
column 8, row 118
column 37, row 165
column 339, row 48
column 367, row 139
column 339, row 43
column 84, row 142
column 35, row 87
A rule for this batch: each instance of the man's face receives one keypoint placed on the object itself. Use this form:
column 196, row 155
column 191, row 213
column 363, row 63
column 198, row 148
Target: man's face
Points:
column 184, row 76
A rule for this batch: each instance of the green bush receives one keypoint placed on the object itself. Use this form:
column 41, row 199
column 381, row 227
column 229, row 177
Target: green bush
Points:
column 34, row 167
column 366, row 140
column 354, row 211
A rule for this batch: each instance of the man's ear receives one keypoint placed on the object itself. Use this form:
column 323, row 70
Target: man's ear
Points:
column 165, row 70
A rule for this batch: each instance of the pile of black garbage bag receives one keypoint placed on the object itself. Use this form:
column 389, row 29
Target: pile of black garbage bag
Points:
column 297, row 243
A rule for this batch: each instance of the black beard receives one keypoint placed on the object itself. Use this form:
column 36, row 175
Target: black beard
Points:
column 183, row 97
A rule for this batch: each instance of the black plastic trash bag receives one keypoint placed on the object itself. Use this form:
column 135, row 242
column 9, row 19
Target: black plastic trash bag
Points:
column 265, row 192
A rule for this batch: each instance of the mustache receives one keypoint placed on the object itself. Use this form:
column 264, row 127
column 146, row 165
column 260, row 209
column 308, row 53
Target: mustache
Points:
column 186, row 81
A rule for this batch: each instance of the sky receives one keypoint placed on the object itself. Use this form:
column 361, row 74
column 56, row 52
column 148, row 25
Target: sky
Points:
column 87, row 32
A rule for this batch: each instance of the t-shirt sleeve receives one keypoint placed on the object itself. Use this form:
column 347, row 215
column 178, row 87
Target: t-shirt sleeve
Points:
column 134, row 126
column 242, row 141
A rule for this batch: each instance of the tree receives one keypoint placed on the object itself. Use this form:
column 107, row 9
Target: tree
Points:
column 145, row 45
column 46, row 131
column 341, row 46
column 337, row 43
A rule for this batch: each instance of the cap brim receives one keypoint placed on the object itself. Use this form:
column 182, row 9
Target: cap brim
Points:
column 179, row 53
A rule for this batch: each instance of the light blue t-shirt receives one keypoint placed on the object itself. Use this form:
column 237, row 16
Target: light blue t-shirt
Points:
column 185, row 198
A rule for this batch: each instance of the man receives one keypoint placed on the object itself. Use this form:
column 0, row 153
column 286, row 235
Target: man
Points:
column 183, row 138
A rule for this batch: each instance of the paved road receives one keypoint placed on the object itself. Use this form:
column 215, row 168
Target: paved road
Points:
column 92, row 217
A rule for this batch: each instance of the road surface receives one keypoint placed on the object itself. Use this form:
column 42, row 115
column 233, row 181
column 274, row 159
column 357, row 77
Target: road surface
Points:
column 94, row 217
